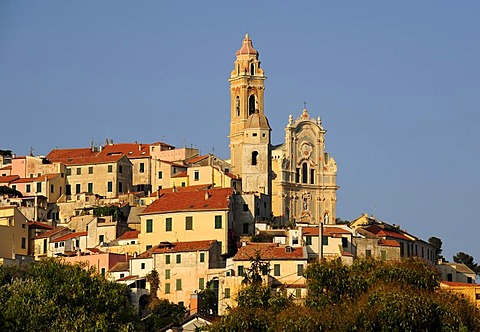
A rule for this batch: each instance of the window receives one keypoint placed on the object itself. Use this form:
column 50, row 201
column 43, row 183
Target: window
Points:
column 52, row 189
column 469, row 280
column 245, row 207
column 120, row 169
column 312, row 176
column 78, row 188
column 120, row 187
column 245, row 228
column 142, row 266
column 90, row 170
column 368, row 253
column 79, row 171
column 110, row 168
column 122, row 275
column 304, row 173
column 39, row 187
column 109, row 186
column 189, row 223
column 168, row 224
column 68, row 189
column 240, row 270
column 252, row 69
column 178, row 258
column 422, row 252
column 227, row 293
column 45, row 246
column 167, row 288
column 298, row 293
column 142, row 168
column 149, row 226
column 201, row 283
column 178, row 284
column 449, row 277
column 202, row 257
column 196, row 175
column 308, row 240
column 101, row 238
column 218, row 222
column 146, row 247
column 300, row 270
column 167, row 274
column 24, row 243
column 27, row 188
column 276, row 270
column 167, row 259
column 183, row 184
column 254, row 158
column 251, row 105
column 69, row 171
column 160, row 175
column 90, row 187
column 103, row 272
column 237, row 105
column 77, row 243
column 383, row 255
column 324, row 240
column 344, row 242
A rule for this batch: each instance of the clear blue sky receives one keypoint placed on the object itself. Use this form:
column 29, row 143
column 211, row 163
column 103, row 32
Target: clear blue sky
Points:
column 397, row 85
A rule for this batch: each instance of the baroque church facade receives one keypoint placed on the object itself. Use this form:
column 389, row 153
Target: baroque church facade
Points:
column 295, row 180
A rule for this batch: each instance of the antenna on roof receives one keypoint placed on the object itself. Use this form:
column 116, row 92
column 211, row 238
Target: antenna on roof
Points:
column 31, row 151
column 304, row 105
column 374, row 208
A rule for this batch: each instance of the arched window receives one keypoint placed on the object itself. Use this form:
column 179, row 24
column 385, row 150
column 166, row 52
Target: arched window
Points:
column 252, row 69
column 304, row 173
column 237, row 105
column 238, row 69
column 251, row 104
column 254, row 158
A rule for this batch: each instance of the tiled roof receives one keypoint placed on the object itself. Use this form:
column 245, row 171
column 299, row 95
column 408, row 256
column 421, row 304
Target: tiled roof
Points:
column 69, row 236
column 218, row 199
column 8, row 178
column 247, row 47
column 458, row 284
column 268, row 251
column 389, row 243
column 6, row 168
column 180, row 175
column 82, row 156
column 378, row 231
column 36, row 179
column 131, row 150
column 175, row 247
column 327, row 231
column 128, row 235
column 196, row 159
column 39, row 225
column 51, row 233
column 120, row 266
column 459, row 267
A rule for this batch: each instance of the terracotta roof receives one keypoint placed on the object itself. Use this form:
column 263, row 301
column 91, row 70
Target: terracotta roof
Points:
column 218, row 199
column 69, row 236
column 120, row 266
column 196, row 159
column 129, row 235
column 60, row 155
column 247, row 47
column 231, row 175
column 39, row 225
column 5, row 168
column 131, row 150
column 36, row 179
column 378, row 231
column 389, row 243
column 129, row 278
column 8, row 178
column 180, row 175
column 458, row 284
column 51, row 233
column 268, row 251
column 332, row 230
column 174, row 247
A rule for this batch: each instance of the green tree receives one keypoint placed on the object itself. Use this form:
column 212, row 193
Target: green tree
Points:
column 10, row 192
column 54, row 296
column 163, row 314
column 437, row 244
column 108, row 210
column 468, row 260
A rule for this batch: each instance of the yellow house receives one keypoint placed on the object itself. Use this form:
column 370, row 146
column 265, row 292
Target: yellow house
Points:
column 471, row 291
column 185, row 215
column 13, row 232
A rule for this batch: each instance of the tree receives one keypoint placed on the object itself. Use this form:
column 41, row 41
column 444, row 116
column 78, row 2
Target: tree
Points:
column 437, row 244
column 51, row 295
column 163, row 314
column 10, row 192
column 108, row 210
column 466, row 259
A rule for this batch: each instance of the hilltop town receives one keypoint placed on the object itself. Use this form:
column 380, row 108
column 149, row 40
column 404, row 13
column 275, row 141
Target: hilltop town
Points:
column 199, row 220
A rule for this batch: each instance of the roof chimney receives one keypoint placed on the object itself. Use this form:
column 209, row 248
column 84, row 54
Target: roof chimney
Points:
column 207, row 195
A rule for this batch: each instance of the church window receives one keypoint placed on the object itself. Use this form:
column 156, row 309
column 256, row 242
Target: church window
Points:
column 237, row 105
column 254, row 134
column 297, row 175
column 312, row 176
column 251, row 104
column 304, row 173
column 252, row 69
column 238, row 69
column 254, row 158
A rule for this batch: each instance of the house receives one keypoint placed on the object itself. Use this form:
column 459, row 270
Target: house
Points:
column 42, row 241
column 101, row 261
column 470, row 291
column 184, row 215
column 13, row 233
column 456, row 272
column 69, row 244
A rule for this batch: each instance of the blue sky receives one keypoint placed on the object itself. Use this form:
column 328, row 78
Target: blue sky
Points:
column 397, row 85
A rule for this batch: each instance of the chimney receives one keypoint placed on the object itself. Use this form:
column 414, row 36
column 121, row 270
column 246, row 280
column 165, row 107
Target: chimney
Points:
column 207, row 195
column 140, row 147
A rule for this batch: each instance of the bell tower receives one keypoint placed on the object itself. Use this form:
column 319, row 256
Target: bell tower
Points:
column 247, row 94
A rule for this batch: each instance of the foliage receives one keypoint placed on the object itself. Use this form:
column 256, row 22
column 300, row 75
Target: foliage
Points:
column 340, row 221
column 466, row 259
column 51, row 295
column 10, row 192
column 154, row 280
column 108, row 210
column 209, row 300
column 163, row 314
column 258, row 267
column 437, row 244
column 366, row 296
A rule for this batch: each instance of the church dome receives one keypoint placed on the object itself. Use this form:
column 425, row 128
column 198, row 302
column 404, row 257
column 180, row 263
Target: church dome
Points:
column 257, row 120
column 247, row 47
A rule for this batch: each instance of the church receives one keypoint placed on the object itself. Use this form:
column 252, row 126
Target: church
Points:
column 295, row 180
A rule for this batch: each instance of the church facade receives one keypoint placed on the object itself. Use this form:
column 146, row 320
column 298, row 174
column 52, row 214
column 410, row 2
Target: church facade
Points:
column 295, row 180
